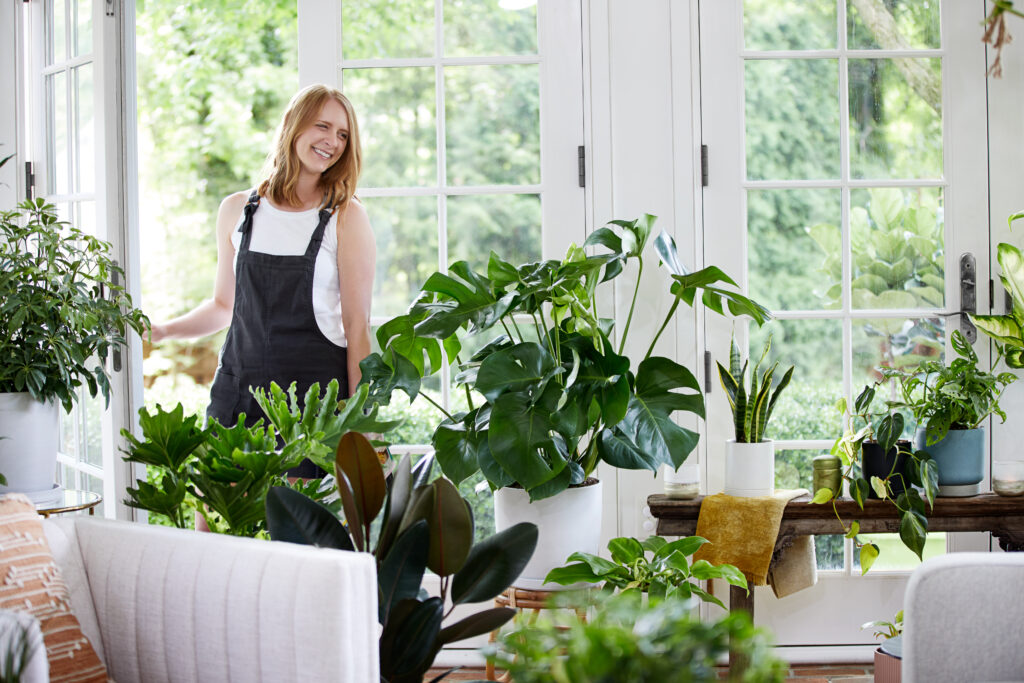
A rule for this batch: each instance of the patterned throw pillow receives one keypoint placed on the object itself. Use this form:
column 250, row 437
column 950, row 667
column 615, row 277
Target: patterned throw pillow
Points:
column 31, row 582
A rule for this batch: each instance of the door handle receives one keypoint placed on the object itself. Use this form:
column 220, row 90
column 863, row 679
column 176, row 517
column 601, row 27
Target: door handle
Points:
column 968, row 296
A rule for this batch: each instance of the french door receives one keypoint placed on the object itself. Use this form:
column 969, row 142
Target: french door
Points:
column 847, row 149
column 76, row 138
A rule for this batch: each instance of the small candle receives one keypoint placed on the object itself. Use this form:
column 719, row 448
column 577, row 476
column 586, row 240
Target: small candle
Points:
column 1008, row 477
column 684, row 483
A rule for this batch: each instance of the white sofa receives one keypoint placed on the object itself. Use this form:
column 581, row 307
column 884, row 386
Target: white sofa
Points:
column 964, row 619
column 164, row 604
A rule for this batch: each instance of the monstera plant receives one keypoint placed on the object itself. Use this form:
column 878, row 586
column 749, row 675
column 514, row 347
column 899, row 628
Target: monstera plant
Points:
column 550, row 391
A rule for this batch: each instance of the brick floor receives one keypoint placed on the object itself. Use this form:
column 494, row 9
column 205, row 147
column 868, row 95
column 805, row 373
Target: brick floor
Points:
column 801, row 673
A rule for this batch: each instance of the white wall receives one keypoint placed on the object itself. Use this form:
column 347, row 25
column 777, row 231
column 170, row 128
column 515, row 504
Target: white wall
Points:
column 10, row 18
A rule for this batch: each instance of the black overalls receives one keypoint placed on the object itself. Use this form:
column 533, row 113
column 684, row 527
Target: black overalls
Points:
column 274, row 336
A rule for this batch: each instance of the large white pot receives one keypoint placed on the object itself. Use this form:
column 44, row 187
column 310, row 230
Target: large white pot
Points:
column 28, row 453
column 749, row 468
column 567, row 523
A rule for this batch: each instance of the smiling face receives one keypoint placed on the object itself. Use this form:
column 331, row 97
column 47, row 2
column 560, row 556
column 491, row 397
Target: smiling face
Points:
column 321, row 144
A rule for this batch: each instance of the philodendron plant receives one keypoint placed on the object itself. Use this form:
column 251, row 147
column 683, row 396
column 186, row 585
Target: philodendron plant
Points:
column 423, row 526
column 885, row 429
column 751, row 408
column 667, row 573
column 1008, row 329
column 549, row 394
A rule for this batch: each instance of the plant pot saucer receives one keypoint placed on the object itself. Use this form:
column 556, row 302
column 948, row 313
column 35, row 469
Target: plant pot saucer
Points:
column 959, row 491
column 49, row 497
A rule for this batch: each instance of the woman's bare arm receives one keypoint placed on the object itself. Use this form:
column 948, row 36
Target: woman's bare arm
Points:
column 357, row 260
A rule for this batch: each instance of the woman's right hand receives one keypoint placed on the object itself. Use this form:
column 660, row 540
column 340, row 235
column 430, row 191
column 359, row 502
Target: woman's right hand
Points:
column 157, row 333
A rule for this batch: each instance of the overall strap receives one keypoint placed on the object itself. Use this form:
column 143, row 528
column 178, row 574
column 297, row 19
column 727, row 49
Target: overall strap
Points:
column 318, row 234
column 246, row 227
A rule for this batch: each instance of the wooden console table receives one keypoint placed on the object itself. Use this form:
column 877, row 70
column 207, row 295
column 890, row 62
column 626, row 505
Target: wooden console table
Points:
column 1004, row 517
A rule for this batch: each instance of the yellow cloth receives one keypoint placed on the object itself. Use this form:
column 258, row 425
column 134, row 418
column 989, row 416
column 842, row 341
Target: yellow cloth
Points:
column 742, row 531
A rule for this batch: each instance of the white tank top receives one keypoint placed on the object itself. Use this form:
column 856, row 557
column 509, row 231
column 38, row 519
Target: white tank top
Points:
column 287, row 233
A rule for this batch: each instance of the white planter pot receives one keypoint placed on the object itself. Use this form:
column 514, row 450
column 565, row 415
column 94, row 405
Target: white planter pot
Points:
column 749, row 468
column 28, row 453
column 567, row 523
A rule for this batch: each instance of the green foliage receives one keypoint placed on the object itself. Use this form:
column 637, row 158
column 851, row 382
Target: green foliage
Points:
column 751, row 408
column 1007, row 330
column 628, row 640
column 62, row 308
column 423, row 526
column 666, row 574
column 225, row 473
column 885, row 430
column 955, row 396
column 556, row 399
column 886, row 629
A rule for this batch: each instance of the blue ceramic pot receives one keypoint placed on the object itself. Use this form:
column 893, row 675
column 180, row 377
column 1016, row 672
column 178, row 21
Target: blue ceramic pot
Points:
column 960, row 457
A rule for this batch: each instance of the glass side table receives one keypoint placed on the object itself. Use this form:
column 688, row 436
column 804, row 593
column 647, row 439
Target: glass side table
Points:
column 73, row 500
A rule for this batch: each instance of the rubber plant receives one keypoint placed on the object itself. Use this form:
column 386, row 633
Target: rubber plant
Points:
column 549, row 394
column 423, row 525
column 751, row 407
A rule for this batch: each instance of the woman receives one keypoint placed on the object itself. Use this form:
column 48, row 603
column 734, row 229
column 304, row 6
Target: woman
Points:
column 295, row 265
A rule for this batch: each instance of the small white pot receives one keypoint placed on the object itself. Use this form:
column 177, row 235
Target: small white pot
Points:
column 28, row 453
column 749, row 468
column 567, row 523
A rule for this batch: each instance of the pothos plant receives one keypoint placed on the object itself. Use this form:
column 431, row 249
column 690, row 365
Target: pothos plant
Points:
column 885, row 429
column 549, row 393
column 666, row 573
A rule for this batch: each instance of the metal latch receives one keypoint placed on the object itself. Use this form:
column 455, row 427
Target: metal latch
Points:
column 968, row 296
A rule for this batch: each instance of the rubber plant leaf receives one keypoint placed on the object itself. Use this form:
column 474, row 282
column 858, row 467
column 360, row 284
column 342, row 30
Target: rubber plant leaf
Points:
column 476, row 624
column 407, row 642
column 401, row 571
column 399, row 493
column 294, row 518
column 357, row 458
column 494, row 563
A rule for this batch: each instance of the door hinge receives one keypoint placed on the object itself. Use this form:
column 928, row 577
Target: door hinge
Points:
column 703, row 165
column 707, row 372
column 581, row 165
column 30, row 180
column 991, row 294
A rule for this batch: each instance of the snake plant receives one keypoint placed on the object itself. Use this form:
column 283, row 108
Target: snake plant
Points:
column 751, row 408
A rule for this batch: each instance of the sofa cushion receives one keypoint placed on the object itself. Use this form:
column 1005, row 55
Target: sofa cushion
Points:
column 30, row 581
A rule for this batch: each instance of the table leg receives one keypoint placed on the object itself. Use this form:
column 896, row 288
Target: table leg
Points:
column 739, row 599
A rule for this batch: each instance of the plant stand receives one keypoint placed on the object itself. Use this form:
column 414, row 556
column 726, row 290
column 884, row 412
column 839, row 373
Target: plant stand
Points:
column 520, row 599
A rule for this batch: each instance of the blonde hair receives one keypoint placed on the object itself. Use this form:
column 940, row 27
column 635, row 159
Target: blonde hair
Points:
column 281, row 172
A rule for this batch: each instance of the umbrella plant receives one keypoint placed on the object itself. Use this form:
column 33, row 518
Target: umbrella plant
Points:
column 551, row 392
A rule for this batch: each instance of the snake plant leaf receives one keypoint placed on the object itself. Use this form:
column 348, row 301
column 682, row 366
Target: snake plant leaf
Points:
column 494, row 563
column 294, row 518
column 399, row 493
column 401, row 571
column 476, row 624
column 407, row 641
column 388, row 372
column 730, row 385
column 356, row 457
column 525, row 367
column 783, row 383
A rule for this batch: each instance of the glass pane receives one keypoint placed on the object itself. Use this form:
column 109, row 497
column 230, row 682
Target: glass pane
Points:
column 894, row 343
column 420, row 419
column 895, row 118
column 85, row 161
column 67, row 476
column 894, row 556
column 508, row 224
column 406, row 232
column 792, row 119
column 83, row 33
column 814, row 348
column 793, row 471
column 85, row 218
column 481, row 500
column 794, row 238
column 58, row 31
column 69, row 434
column 92, row 419
column 397, row 125
column 490, row 27
column 893, row 25
column 787, row 25
column 896, row 235
column 57, row 139
column 387, row 28
column 493, row 124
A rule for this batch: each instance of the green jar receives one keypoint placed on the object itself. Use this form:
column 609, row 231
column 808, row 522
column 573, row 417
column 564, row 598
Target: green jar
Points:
column 827, row 474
